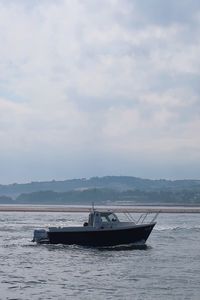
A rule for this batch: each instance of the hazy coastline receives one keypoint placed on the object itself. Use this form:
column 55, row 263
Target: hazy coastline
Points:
column 108, row 190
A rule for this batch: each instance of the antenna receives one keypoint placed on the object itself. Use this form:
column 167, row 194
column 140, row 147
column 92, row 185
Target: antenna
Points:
column 93, row 206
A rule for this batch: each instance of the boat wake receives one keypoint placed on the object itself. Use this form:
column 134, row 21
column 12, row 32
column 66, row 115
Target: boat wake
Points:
column 125, row 248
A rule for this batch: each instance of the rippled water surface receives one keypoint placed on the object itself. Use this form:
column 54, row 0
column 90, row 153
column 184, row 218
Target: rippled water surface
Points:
column 169, row 268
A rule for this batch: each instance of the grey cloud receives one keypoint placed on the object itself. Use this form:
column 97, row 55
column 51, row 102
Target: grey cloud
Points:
column 117, row 80
column 167, row 12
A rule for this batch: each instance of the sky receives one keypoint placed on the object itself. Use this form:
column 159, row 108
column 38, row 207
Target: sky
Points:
column 99, row 87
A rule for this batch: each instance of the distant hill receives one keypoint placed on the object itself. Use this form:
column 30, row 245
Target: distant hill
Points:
column 107, row 196
column 103, row 190
column 6, row 200
column 119, row 183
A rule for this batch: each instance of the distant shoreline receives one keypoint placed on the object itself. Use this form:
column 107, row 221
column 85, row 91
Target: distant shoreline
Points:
column 84, row 209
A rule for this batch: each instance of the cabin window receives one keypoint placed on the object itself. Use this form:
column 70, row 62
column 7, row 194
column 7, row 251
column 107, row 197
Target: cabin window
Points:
column 112, row 218
column 108, row 218
column 105, row 219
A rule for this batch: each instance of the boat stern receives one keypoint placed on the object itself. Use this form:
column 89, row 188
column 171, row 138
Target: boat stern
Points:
column 40, row 236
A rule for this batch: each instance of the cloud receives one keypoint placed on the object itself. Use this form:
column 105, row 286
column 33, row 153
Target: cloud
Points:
column 167, row 12
column 108, row 79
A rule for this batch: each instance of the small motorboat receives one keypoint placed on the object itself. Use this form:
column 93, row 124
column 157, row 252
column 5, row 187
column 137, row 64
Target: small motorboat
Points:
column 103, row 229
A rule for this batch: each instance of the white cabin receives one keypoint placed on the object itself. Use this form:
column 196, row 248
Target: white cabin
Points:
column 102, row 220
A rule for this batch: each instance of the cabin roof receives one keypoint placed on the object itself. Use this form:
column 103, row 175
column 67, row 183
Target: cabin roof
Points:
column 102, row 213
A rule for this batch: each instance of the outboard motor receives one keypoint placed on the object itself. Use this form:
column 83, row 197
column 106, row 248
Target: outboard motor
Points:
column 40, row 236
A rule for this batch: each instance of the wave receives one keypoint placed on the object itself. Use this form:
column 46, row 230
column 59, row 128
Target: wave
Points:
column 174, row 228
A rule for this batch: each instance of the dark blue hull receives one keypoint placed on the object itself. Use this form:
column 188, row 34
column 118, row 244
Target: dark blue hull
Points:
column 102, row 238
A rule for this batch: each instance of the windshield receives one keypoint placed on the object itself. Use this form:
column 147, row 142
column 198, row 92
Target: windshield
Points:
column 109, row 217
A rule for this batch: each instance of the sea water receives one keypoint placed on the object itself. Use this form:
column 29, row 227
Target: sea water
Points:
column 169, row 267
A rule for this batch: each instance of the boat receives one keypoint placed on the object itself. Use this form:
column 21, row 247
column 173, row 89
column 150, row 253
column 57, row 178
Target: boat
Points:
column 103, row 229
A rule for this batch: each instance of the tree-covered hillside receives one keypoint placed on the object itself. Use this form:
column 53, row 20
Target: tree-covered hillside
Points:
column 103, row 190
column 118, row 183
